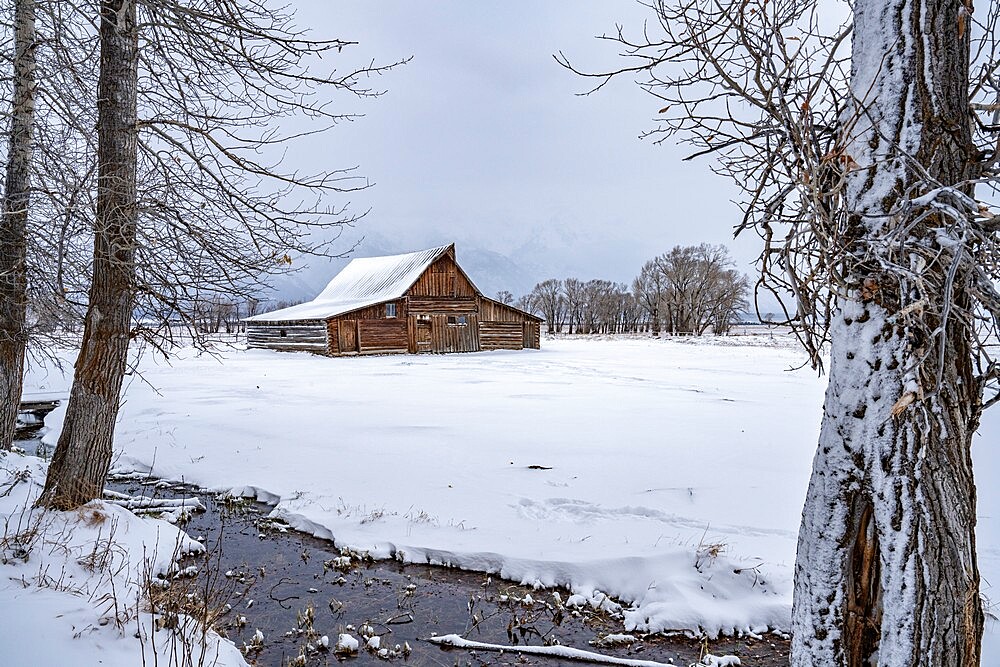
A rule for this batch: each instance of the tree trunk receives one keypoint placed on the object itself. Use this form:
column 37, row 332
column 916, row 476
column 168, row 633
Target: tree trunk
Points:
column 886, row 557
column 13, row 230
column 886, row 571
column 83, row 453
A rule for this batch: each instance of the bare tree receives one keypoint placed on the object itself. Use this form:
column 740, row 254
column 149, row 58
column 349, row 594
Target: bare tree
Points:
column 547, row 296
column 505, row 297
column 527, row 304
column 191, row 97
column 575, row 298
column 693, row 289
column 649, row 289
column 729, row 302
column 83, row 453
column 252, row 306
column 860, row 172
column 14, row 224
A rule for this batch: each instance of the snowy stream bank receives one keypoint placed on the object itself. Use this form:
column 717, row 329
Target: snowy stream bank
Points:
column 286, row 591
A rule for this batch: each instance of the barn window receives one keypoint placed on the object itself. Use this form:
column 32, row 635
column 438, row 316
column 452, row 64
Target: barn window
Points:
column 282, row 333
column 457, row 320
column 390, row 310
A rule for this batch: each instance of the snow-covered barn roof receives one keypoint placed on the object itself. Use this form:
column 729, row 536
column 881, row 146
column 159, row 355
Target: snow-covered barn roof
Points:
column 364, row 282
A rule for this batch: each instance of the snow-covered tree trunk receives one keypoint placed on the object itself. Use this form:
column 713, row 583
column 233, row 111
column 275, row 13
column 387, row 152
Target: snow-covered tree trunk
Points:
column 83, row 453
column 13, row 228
column 886, row 570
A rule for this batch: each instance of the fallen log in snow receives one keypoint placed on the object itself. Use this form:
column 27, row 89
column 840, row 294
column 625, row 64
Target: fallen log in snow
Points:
column 567, row 653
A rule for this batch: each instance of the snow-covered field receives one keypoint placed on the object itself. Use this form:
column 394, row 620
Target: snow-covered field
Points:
column 667, row 474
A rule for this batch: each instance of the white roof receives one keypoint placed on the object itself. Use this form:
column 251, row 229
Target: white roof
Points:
column 364, row 282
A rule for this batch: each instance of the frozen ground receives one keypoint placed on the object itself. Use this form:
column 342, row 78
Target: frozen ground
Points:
column 72, row 583
column 672, row 475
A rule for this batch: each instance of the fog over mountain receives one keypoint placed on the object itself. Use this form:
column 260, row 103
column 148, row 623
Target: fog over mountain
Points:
column 484, row 141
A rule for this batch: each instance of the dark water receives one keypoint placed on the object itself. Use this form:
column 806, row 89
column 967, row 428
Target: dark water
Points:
column 299, row 593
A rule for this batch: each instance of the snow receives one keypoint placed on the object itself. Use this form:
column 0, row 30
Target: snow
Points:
column 678, row 468
column 346, row 644
column 76, row 580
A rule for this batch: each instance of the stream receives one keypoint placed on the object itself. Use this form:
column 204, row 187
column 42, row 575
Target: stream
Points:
column 295, row 589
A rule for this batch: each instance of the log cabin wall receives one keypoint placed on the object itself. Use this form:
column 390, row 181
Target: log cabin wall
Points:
column 292, row 336
column 501, row 335
column 504, row 328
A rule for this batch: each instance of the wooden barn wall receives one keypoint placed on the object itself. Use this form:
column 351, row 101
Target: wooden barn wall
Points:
column 376, row 312
column 443, row 278
column 494, row 311
column 300, row 335
column 501, row 335
column 386, row 335
column 368, row 330
column 420, row 325
column 533, row 335
column 446, row 337
column 333, row 336
column 450, row 306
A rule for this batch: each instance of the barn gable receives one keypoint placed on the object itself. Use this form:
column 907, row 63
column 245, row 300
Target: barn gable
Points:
column 416, row 302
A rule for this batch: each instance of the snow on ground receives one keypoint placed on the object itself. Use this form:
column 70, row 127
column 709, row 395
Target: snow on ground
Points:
column 71, row 583
column 672, row 473
column 664, row 486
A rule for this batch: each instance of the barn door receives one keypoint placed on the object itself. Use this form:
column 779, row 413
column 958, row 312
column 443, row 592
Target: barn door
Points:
column 348, row 333
column 423, row 335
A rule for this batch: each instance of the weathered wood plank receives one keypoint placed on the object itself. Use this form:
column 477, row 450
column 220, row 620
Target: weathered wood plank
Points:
column 307, row 335
column 318, row 349
column 333, row 336
column 432, row 305
column 376, row 312
column 494, row 311
column 501, row 335
column 443, row 278
column 533, row 335
column 382, row 335
column 347, row 332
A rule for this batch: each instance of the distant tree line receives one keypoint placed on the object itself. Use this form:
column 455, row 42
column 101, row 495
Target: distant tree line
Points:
column 689, row 290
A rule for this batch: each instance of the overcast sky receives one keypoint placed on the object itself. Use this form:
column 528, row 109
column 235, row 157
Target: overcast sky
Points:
column 482, row 139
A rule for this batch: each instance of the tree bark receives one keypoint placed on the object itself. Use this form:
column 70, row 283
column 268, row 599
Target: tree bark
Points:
column 886, row 571
column 83, row 453
column 13, row 230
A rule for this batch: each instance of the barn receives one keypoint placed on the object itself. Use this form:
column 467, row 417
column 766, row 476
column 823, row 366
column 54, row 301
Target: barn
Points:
column 417, row 302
